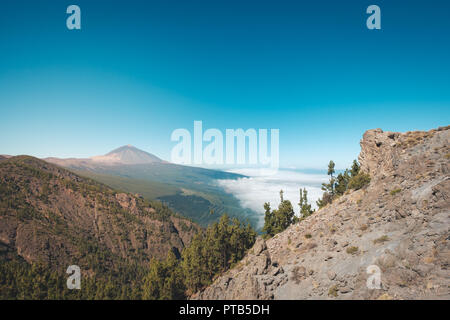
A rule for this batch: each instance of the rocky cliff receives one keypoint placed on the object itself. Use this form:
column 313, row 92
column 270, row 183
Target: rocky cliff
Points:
column 52, row 216
column 397, row 228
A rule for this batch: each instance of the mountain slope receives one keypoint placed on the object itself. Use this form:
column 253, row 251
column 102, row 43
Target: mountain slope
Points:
column 399, row 223
column 51, row 216
column 127, row 155
column 190, row 191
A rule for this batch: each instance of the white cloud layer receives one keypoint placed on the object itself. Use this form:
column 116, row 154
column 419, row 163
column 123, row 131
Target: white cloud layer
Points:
column 252, row 192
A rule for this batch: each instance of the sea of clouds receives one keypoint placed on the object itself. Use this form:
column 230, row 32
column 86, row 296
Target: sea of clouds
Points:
column 261, row 187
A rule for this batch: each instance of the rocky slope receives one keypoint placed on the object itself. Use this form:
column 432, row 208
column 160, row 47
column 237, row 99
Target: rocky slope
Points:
column 399, row 224
column 57, row 218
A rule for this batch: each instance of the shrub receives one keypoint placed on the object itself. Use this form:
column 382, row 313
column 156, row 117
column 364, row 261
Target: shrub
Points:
column 333, row 291
column 359, row 181
column 381, row 239
column 395, row 191
column 327, row 198
column 352, row 250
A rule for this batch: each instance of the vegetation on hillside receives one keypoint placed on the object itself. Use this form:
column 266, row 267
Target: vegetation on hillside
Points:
column 191, row 191
column 350, row 179
column 210, row 253
column 305, row 207
column 275, row 221
column 31, row 194
column 36, row 281
column 120, row 241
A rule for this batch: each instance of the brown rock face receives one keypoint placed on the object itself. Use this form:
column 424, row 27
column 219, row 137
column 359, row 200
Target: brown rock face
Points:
column 397, row 227
column 55, row 217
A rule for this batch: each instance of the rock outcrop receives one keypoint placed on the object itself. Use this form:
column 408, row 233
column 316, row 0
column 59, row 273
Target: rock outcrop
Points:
column 397, row 228
column 52, row 216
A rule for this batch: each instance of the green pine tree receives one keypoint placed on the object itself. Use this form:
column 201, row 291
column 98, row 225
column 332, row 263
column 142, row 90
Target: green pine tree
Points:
column 305, row 207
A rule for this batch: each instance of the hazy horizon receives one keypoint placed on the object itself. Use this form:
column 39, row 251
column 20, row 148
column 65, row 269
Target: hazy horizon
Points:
column 137, row 71
column 236, row 168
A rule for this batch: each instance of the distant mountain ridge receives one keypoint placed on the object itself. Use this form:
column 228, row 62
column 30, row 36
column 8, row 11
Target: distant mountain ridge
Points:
column 4, row 156
column 127, row 155
column 190, row 191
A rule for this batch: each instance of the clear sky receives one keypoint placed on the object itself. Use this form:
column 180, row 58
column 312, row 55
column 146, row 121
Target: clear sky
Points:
column 137, row 70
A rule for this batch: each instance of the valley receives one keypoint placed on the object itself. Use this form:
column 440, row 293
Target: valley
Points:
column 51, row 218
column 190, row 191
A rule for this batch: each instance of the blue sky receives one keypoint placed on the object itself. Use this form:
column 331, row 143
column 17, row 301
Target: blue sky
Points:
column 140, row 69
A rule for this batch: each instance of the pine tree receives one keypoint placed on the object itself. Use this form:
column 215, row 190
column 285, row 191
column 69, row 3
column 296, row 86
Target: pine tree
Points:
column 342, row 182
column 213, row 251
column 331, row 171
column 305, row 208
column 331, row 168
column 350, row 179
column 358, row 178
column 355, row 168
column 269, row 221
column 328, row 188
column 278, row 220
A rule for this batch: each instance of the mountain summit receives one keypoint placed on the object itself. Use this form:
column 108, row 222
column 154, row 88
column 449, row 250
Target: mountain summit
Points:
column 127, row 155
